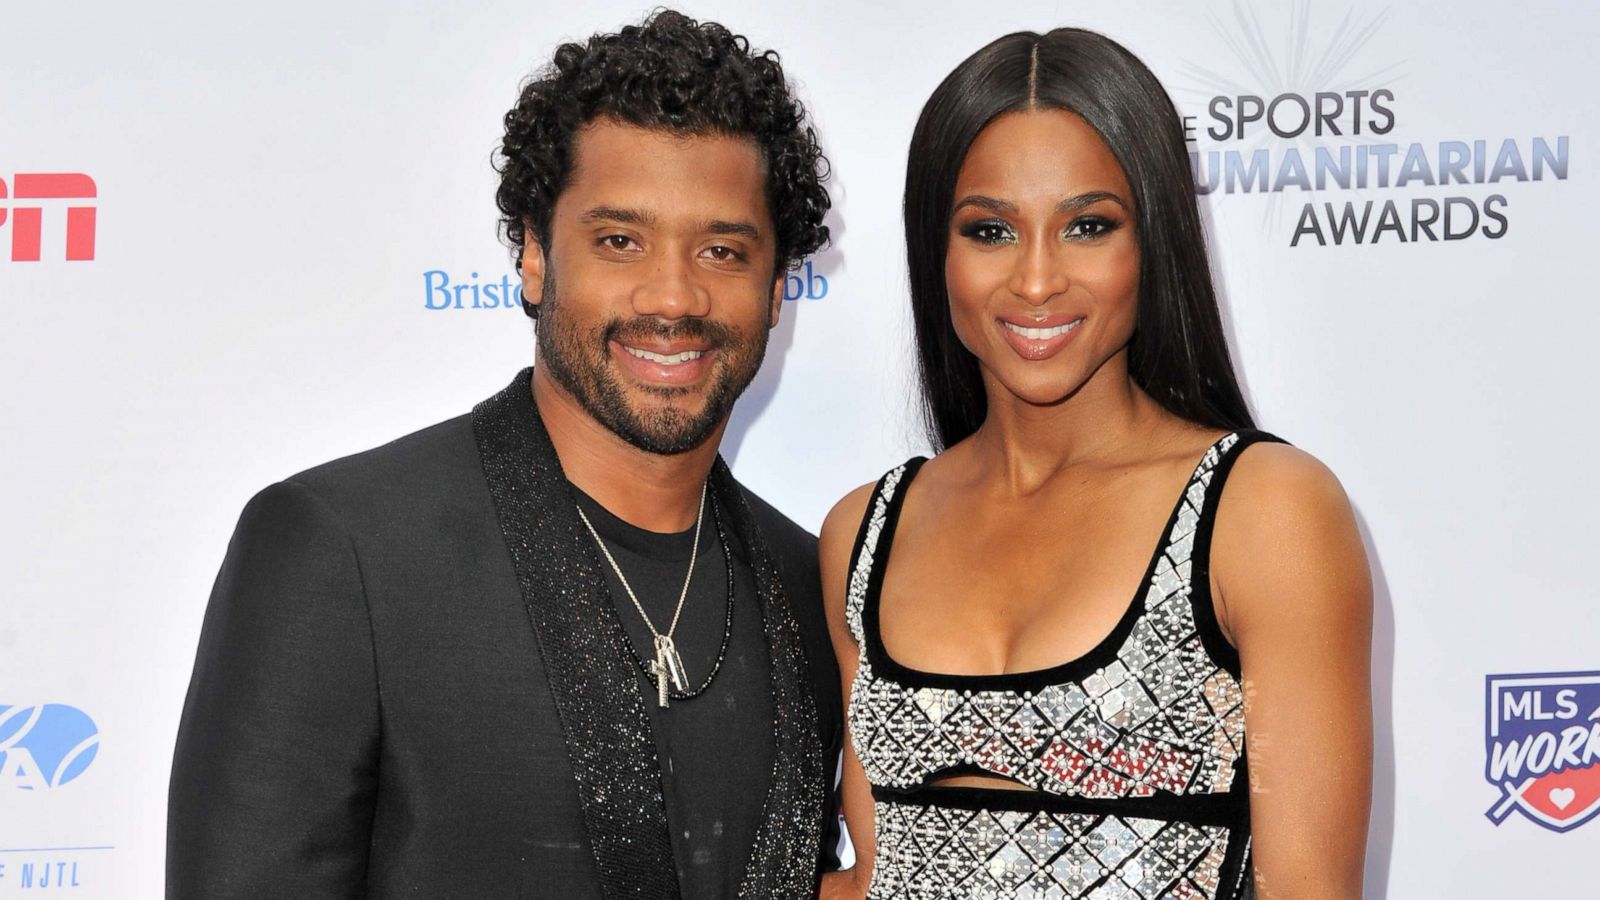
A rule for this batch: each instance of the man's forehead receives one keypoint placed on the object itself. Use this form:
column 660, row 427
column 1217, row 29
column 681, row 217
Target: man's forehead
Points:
column 604, row 125
column 611, row 141
column 670, row 174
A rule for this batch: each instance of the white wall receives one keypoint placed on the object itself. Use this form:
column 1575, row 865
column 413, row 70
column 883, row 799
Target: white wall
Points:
column 273, row 182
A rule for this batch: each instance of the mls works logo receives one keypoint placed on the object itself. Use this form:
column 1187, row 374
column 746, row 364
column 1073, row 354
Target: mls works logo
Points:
column 27, row 219
column 44, row 747
column 1543, row 747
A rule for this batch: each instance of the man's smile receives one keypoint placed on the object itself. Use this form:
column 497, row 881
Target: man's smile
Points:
column 675, row 363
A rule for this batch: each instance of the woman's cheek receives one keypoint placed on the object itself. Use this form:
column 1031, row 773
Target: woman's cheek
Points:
column 962, row 319
column 966, row 304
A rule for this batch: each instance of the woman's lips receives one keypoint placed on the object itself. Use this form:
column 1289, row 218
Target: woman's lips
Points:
column 1037, row 339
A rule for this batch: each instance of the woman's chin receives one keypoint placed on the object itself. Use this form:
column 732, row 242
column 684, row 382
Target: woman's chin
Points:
column 1043, row 394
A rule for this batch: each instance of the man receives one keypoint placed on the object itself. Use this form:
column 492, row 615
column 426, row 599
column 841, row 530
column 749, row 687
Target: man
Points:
column 550, row 649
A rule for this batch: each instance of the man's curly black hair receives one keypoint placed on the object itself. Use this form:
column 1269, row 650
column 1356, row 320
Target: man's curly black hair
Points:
column 675, row 74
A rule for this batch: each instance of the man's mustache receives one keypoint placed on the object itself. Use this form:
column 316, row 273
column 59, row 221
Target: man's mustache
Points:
column 647, row 327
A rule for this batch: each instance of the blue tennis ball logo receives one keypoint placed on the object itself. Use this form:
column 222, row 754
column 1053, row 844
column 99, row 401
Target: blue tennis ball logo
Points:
column 46, row 746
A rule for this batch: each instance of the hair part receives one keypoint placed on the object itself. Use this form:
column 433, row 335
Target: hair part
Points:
column 1178, row 353
column 675, row 74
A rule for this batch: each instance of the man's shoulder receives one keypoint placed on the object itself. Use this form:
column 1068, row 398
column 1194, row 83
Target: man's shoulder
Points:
column 792, row 547
column 436, row 464
column 780, row 531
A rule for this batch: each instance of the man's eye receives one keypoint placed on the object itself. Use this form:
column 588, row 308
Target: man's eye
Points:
column 987, row 231
column 722, row 253
column 617, row 241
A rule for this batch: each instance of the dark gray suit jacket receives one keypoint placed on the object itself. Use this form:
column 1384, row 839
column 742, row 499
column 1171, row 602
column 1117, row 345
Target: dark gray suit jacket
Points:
column 369, row 715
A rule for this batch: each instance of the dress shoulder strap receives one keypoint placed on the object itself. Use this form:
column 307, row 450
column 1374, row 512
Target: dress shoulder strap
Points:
column 1205, row 488
column 880, row 514
column 1192, row 551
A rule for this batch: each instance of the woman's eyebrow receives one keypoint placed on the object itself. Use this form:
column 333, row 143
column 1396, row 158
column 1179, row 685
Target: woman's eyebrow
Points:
column 1079, row 201
column 1070, row 204
column 991, row 204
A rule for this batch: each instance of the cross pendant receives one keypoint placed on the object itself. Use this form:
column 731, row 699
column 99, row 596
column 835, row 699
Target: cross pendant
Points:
column 659, row 670
column 667, row 658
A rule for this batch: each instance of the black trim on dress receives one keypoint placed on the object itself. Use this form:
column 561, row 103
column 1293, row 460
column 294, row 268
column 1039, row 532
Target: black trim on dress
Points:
column 1099, row 656
column 1205, row 609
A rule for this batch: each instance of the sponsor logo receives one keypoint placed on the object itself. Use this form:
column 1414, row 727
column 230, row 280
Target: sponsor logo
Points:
column 45, row 747
column 1323, row 128
column 27, row 875
column 441, row 291
column 805, row 284
column 1542, row 742
column 27, row 219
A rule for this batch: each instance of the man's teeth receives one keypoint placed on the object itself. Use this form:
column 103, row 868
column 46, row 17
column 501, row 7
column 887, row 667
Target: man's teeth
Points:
column 665, row 359
column 1040, row 334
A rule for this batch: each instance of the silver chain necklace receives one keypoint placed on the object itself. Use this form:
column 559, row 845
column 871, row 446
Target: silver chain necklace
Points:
column 668, row 665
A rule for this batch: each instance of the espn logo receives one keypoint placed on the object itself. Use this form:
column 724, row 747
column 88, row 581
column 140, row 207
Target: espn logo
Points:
column 27, row 220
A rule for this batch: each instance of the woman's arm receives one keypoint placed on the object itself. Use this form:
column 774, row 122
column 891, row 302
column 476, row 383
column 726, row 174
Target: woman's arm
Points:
column 1294, row 593
column 855, row 796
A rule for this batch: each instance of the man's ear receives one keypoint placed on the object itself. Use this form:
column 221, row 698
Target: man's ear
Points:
column 532, row 267
column 775, row 307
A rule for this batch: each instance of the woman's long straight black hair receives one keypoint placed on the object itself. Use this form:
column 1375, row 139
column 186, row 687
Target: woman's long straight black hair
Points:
column 1178, row 354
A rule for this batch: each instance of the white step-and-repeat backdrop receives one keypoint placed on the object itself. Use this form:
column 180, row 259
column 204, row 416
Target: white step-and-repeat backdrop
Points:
column 238, row 240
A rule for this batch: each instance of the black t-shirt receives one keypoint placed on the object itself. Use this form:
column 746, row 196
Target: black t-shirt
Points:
column 715, row 749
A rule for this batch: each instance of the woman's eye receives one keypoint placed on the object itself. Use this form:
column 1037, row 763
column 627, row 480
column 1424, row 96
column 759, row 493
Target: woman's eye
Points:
column 987, row 232
column 1090, row 227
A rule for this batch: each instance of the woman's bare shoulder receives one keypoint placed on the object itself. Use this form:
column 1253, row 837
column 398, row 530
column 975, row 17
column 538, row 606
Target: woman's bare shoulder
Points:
column 834, row 547
column 1287, row 549
column 843, row 520
column 1275, row 484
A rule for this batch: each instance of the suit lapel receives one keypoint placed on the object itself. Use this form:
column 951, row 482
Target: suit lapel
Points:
column 783, row 862
column 595, row 683
column 590, row 673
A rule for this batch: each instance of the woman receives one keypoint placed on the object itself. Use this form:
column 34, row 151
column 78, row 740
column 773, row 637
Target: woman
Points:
column 1019, row 727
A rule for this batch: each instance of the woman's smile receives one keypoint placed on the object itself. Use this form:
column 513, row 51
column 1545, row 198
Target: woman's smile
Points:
column 1039, row 338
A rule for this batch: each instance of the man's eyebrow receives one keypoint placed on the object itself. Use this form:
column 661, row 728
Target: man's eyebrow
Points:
column 617, row 214
column 991, row 204
column 742, row 229
column 1089, row 198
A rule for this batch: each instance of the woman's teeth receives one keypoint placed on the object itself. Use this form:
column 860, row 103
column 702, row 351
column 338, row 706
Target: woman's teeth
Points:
column 1040, row 334
column 668, row 359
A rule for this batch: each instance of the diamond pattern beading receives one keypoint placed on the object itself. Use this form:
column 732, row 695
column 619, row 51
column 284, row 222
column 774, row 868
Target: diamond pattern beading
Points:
column 1149, row 692
column 1022, row 854
column 1162, row 716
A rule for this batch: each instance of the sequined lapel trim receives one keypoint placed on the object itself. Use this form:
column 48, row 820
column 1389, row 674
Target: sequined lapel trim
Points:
column 596, row 689
column 788, row 846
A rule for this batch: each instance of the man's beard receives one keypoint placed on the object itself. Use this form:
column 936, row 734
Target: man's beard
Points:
column 580, row 361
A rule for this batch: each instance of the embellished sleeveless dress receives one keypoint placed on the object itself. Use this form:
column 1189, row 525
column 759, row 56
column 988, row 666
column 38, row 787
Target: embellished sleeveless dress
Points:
column 1135, row 751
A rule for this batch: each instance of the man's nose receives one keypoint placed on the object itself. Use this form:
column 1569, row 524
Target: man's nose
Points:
column 671, row 291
